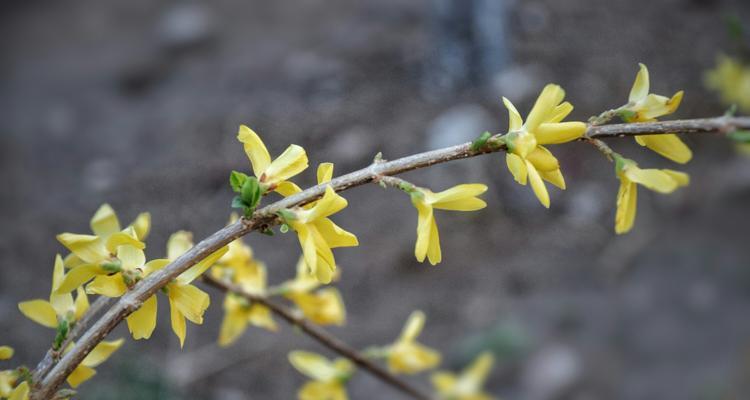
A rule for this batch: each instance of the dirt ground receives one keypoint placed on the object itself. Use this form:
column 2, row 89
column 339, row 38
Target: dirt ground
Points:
column 137, row 104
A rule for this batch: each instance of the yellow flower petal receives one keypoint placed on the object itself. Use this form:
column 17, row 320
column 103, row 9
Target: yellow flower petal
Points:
column 543, row 159
column 126, row 237
column 313, row 365
column 6, row 352
column 639, row 91
column 179, row 243
column 232, row 326
column 544, row 107
column 255, row 149
column 434, row 255
column 517, row 168
column 537, row 185
column 554, row 177
column 412, row 358
column 669, row 146
column 334, row 235
column 290, row 163
column 198, row 269
column 515, row 120
column 654, row 179
column 130, row 257
column 681, row 178
column 560, row 112
column 79, row 375
column 627, row 198
column 261, row 316
column 322, row 391
column 324, row 307
column 141, row 225
column 287, row 188
column 189, row 300
column 155, row 265
column 178, row 322
column 88, row 248
column 102, row 352
column 475, row 375
column 105, row 222
column 39, row 311
column 458, row 198
column 142, row 322
column 325, row 172
column 108, row 285
column 414, row 326
column 78, row 276
column 424, row 230
column 329, row 204
column 559, row 132
column 62, row 303
column 81, row 304
column 21, row 392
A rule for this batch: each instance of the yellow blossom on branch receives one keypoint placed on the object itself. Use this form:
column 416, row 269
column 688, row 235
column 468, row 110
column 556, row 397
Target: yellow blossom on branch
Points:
column 458, row 198
column 659, row 180
column 21, row 392
column 406, row 355
column 646, row 107
column 527, row 158
column 468, row 384
column 6, row 352
column 271, row 173
column 317, row 234
column 731, row 78
column 328, row 377
column 323, row 307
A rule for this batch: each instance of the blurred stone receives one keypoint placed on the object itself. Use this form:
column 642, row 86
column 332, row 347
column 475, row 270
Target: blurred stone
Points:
column 551, row 372
column 186, row 25
column 459, row 124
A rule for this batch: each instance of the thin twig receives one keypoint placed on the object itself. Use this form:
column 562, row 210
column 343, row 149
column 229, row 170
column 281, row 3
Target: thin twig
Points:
column 266, row 217
column 322, row 336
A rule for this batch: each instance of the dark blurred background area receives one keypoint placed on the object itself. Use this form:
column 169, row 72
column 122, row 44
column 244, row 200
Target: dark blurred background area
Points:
column 137, row 104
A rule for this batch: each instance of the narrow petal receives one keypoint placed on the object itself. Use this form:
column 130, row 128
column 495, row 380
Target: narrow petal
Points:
column 108, row 285
column 434, row 254
column 290, row 163
column 475, row 374
column 81, row 304
column 105, row 222
column 331, row 203
column 79, row 375
column 654, row 179
column 515, row 120
column 334, row 235
column 470, row 204
column 681, row 178
column 127, row 237
column 424, row 229
column 538, row 185
column 287, row 188
column 155, row 265
column 554, row 177
column 559, row 132
column 627, row 198
column 255, row 149
column 178, row 244
column 261, row 316
column 560, row 112
column 543, row 159
column 325, row 173
column 639, row 91
column 142, row 322
column 39, row 311
column 62, row 303
column 669, row 146
column 313, row 365
column 517, row 168
column 78, row 276
column 232, row 327
column 141, row 225
column 544, row 107
column 413, row 326
column 178, row 322
column 88, row 248
column 190, row 301
column 458, row 192
column 102, row 352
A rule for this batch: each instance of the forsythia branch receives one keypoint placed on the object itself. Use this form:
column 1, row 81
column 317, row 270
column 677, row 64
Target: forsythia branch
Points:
column 267, row 216
column 320, row 335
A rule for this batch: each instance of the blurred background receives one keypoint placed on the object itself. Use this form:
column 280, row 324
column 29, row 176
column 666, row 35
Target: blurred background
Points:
column 137, row 104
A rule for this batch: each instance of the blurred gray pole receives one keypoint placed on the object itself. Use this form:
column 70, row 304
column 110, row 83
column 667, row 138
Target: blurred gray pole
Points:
column 469, row 44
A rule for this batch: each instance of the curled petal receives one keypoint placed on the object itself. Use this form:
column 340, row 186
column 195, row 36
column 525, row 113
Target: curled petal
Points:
column 545, row 105
column 538, row 185
column 255, row 149
column 515, row 120
column 627, row 198
column 290, row 163
column 654, row 179
column 325, row 172
column 554, row 177
column 105, row 222
column 543, row 159
column 142, row 322
column 102, row 352
column 669, row 146
column 108, row 285
column 517, row 168
column 639, row 91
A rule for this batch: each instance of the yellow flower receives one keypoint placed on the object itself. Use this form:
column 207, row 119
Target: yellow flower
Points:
column 60, row 307
column 659, row 180
column 732, row 80
column 238, row 258
column 238, row 312
column 328, row 377
column 645, row 107
column 104, row 224
column 85, row 370
column 457, row 198
column 317, row 234
column 406, row 355
column 527, row 158
column 185, row 299
column 21, row 392
column 324, row 307
column 271, row 173
column 467, row 385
